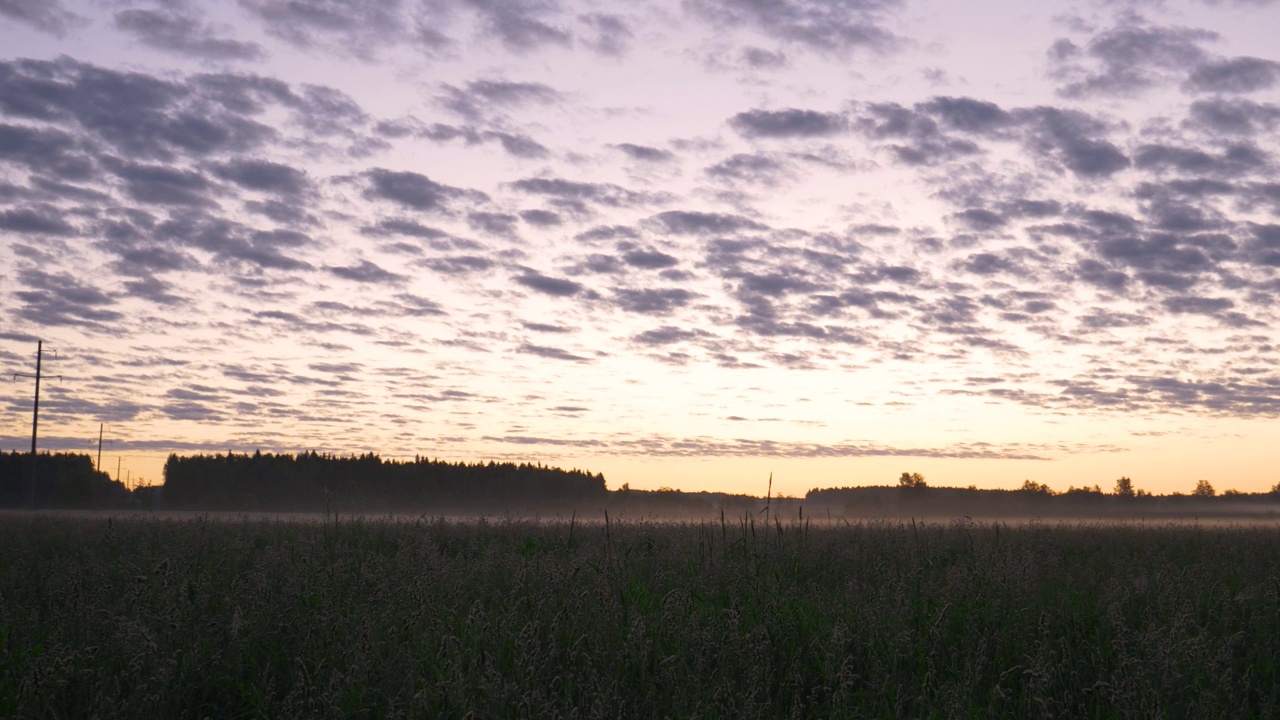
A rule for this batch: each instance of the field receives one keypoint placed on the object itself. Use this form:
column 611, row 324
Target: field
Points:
column 191, row 618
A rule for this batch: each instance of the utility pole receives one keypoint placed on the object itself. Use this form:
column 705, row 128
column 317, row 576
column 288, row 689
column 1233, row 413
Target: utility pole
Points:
column 98, row 467
column 35, row 420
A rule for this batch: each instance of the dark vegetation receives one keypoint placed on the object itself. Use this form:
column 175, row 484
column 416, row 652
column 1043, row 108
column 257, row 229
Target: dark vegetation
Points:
column 144, row 617
column 311, row 482
column 367, row 483
column 913, row 497
column 63, row 480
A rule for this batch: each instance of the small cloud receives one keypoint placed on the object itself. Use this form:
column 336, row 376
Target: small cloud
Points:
column 558, row 287
column 761, row 59
column 1197, row 305
column 44, row 15
column 1234, row 75
column 788, row 123
column 541, row 218
column 649, row 259
column 264, row 176
column 367, row 272
column 644, row 153
column 184, row 34
column 696, row 223
column 413, row 190
column 551, row 352
column 612, row 35
column 545, row 327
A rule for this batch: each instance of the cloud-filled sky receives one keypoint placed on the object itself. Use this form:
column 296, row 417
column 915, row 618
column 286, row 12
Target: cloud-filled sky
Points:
column 682, row 242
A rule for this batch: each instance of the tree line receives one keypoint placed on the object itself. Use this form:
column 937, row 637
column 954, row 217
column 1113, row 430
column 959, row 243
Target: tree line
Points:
column 315, row 482
column 913, row 494
column 63, row 480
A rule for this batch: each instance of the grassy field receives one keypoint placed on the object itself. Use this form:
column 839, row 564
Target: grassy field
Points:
column 193, row 618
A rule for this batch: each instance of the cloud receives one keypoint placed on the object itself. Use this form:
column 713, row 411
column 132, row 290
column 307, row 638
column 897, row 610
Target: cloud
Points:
column 184, row 34
column 988, row 264
column 579, row 192
column 695, row 223
column 1143, row 392
column 164, row 185
column 401, row 226
column 45, row 15
column 492, row 223
column 514, row 144
column 512, row 94
column 233, row 243
column 1233, row 116
column 667, row 446
column 611, row 34
column 520, row 25
column 557, row 287
column 367, row 272
column 762, row 59
column 1099, row 274
column 551, row 352
column 357, row 27
column 59, row 299
column 541, row 218
column 968, row 114
column 981, row 219
column 38, row 220
column 521, row 146
column 489, row 96
column 644, row 153
column 827, row 27
column 669, row 334
column 1072, row 137
column 1127, row 59
column 649, row 259
column 788, row 123
column 459, row 264
column 154, row 290
column 416, row 306
column 606, row 232
column 1197, row 305
column 46, row 150
column 327, row 111
column 264, row 176
column 145, row 118
column 754, row 168
column 917, row 136
column 1234, row 75
column 414, row 190
column 652, row 301
column 546, row 327
column 923, row 142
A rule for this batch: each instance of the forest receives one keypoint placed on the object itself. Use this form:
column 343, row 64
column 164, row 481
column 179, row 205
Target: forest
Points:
column 314, row 482
column 63, row 480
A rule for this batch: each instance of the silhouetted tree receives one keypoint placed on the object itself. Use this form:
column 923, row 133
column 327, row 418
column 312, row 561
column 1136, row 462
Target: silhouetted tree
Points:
column 1204, row 489
column 1035, row 488
column 914, row 481
column 1124, row 487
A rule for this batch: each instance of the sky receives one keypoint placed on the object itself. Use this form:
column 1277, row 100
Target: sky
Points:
column 685, row 243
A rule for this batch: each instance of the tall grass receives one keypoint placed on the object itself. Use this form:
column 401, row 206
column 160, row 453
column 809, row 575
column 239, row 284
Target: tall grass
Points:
column 137, row 617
